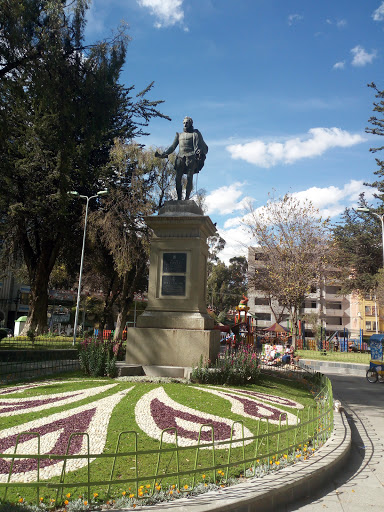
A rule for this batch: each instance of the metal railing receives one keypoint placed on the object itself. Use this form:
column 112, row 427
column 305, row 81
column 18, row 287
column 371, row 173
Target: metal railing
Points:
column 27, row 364
column 243, row 456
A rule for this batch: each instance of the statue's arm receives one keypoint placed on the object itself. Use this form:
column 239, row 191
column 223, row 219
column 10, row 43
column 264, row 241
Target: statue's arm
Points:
column 171, row 148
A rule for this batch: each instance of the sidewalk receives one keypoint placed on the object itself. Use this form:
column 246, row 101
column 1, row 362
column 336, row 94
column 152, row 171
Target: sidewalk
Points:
column 334, row 367
column 360, row 483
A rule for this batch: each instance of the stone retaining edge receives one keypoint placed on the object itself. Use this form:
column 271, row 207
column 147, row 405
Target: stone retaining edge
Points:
column 285, row 486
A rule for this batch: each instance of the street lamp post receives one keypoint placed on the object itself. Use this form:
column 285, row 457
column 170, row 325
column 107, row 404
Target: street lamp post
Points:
column 88, row 198
column 363, row 209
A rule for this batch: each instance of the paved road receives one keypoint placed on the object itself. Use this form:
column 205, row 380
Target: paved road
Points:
column 359, row 487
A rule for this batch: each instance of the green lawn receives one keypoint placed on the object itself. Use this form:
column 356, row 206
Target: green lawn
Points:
column 123, row 419
column 341, row 357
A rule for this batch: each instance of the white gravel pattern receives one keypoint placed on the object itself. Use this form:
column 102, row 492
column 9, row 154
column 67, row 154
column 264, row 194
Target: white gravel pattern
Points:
column 264, row 397
column 97, row 431
column 237, row 407
column 146, row 422
column 73, row 396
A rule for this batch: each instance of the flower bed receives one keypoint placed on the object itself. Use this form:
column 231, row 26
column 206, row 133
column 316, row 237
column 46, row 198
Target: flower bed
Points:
column 96, row 411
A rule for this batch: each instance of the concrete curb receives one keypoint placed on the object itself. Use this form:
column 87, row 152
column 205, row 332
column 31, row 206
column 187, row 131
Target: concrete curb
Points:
column 282, row 487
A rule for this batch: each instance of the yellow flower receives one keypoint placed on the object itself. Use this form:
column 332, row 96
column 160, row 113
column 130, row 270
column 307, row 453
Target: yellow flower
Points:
column 66, row 502
column 148, row 486
column 21, row 500
column 204, row 476
column 158, row 487
column 68, row 495
column 185, row 486
column 205, row 485
column 124, row 493
column 141, row 493
column 95, row 495
column 131, row 495
column 52, row 500
column 285, row 456
column 277, row 462
column 41, row 499
column 85, row 502
column 173, row 486
column 171, row 492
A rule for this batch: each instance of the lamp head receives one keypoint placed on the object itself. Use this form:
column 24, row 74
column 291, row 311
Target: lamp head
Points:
column 103, row 192
column 363, row 209
column 72, row 193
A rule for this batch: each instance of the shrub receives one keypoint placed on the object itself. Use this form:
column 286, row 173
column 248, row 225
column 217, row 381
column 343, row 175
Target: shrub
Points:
column 232, row 368
column 3, row 333
column 98, row 358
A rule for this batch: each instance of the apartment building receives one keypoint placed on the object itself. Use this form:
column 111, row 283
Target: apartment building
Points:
column 326, row 300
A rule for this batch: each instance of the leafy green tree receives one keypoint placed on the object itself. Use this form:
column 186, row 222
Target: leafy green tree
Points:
column 61, row 107
column 359, row 249
column 120, row 231
column 296, row 249
column 377, row 128
column 227, row 284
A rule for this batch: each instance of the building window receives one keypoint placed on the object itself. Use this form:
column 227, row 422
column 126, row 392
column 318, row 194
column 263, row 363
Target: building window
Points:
column 370, row 310
column 335, row 290
column 370, row 325
column 334, row 305
column 263, row 316
column 334, row 320
column 260, row 301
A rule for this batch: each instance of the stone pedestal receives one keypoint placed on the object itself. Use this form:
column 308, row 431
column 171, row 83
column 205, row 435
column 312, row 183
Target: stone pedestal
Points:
column 175, row 329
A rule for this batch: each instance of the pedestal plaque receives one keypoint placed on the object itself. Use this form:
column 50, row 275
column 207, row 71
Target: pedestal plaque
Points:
column 173, row 285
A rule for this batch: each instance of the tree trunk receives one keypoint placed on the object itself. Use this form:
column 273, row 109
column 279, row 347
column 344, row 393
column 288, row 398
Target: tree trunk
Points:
column 294, row 320
column 37, row 317
column 39, row 269
column 129, row 285
column 121, row 320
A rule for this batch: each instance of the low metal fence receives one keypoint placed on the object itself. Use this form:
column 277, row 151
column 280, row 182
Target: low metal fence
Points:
column 22, row 342
column 246, row 456
column 27, row 364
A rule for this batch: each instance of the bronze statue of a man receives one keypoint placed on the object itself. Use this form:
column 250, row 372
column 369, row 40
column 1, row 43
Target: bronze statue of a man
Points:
column 191, row 157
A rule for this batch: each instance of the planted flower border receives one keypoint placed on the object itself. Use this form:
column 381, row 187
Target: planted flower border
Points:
column 270, row 447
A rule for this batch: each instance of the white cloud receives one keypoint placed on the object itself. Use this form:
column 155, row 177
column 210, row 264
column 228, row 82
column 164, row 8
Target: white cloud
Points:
column 237, row 242
column 330, row 201
column 339, row 65
column 273, row 153
column 339, row 23
column 225, row 200
column 294, row 18
column 167, row 12
column 378, row 15
column 361, row 57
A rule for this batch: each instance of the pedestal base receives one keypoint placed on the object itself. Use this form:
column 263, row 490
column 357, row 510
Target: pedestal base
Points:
column 171, row 347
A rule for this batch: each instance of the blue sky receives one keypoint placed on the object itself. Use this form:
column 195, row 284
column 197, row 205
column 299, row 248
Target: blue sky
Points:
column 278, row 89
